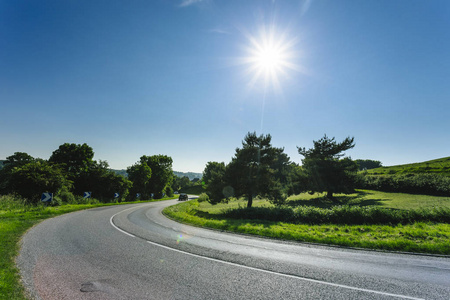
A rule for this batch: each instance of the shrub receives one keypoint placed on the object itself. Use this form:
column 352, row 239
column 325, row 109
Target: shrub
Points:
column 425, row 184
column 203, row 197
column 349, row 215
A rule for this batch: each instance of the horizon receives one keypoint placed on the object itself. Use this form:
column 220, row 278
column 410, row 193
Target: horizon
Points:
column 189, row 79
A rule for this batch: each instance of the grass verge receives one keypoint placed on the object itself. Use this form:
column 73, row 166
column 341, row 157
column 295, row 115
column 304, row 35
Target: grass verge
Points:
column 15, row 219
column 422, row 237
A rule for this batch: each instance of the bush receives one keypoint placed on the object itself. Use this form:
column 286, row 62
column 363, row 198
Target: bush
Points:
column 203, row 198
column 349, row 215
column 424, row 184
column 66, row 196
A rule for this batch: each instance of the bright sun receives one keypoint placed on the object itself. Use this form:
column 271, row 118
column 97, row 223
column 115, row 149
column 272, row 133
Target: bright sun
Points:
column 269, row 57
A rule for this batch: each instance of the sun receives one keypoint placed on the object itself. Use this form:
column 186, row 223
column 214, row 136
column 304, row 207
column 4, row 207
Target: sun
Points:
column 270, row 57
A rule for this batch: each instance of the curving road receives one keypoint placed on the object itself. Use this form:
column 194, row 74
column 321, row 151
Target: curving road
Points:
column 134, row 252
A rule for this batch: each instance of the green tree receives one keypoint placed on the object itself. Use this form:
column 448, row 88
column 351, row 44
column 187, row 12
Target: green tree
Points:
column 214, row 179
column 367, row 164
column 18, row 159
column 327, row 171
column 102, row 182
column 139, row 174
column 36, row 177
column 162, row 173
column 254, row 169
column 73, row 158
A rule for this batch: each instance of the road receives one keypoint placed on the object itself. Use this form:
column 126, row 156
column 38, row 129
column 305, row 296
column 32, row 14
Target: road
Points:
column 134, row 252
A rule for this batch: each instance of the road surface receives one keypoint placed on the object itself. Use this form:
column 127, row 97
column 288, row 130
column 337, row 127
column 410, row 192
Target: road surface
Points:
column 134, row 252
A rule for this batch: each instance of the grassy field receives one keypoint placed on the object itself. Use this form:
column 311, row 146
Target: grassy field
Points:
column 436, row 166
column 425, row 237
column 15, row 219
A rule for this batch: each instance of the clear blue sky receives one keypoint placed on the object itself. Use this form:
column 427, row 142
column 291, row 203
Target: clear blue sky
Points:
column 168, row 77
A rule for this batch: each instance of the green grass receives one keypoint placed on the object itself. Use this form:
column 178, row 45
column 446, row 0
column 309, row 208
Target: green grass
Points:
column 16, row 217
column 425, row 237
column 376, row 198
column 436, row 166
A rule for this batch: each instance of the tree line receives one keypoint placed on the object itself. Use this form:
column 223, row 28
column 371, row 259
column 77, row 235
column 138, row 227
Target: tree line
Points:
column 260, row 169
column 71, row 170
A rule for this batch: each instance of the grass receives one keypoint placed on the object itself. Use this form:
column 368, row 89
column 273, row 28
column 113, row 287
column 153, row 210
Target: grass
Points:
column 424, row 237
column 16, row 217
column 436, row 166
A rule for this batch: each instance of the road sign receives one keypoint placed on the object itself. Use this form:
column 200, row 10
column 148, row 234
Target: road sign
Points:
column 116, row 195
column 138, row 195
column 87, row 195
column 47, row 197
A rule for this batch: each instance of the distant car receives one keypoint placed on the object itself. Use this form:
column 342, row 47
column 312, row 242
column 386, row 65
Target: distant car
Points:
column 183, row 197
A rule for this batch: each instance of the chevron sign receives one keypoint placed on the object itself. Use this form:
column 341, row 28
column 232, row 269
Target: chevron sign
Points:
column 47, row 197
column 116, row 195
column 87, row 194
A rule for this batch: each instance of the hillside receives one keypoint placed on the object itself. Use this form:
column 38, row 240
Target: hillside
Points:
column 436, row 166
column 190, row 175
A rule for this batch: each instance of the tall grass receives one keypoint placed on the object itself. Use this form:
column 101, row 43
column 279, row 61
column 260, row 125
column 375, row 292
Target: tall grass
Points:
column 349, row 215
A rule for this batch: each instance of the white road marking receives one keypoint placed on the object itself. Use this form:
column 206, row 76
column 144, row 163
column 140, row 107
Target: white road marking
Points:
column 262, row 270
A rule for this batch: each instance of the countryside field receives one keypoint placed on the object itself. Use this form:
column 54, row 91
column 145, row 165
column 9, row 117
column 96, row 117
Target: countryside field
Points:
column 423, row 236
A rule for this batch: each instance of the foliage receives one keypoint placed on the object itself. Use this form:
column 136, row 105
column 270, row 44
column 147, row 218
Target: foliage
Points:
column 179, row 183
column 426, row 184
column 367, row 164
column 139, row 174
column 162, row 173
column 34, row 178
column 102, row 182
column 214, row 179
column 73, row 158
column 18, row 159
column 349, row 215
column 257, row 169
column 203, row 197
column 326, row 170
column 437, row 166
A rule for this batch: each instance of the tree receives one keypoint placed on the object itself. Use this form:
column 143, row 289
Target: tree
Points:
column 73, row 158
column 254, row 169
column 36, row 177
column 367, row 164
column 139, row 174
column 326, row 170
column 18, row 159
column 214, row 179
column 102, row 182
column 162, row 173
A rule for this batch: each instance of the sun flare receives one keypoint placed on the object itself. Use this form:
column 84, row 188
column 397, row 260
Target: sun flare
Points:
column 270, row 56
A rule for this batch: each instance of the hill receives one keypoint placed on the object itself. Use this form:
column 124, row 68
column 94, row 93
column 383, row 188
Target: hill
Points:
column 436, row 166
column 190, row 175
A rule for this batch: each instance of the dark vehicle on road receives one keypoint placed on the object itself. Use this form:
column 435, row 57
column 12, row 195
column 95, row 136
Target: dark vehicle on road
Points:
column 183, row 197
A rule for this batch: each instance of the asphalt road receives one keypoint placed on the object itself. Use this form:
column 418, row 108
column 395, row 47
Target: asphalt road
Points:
column 133, row 252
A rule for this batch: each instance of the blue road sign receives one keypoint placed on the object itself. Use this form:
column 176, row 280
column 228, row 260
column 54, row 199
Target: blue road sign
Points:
column 47, row 197
column 116, row 195
column 138, row 195
column 87, row 194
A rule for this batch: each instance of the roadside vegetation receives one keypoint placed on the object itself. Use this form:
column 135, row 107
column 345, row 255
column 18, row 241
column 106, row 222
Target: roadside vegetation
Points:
column 366, row 219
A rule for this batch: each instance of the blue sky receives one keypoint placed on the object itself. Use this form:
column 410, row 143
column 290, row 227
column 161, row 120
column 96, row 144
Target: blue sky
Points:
column 133, row 78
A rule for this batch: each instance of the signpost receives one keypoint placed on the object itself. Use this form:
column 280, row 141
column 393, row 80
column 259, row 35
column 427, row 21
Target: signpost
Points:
column 138, row 195
column 116, row 195
column 47, row 197
column 87, row 195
